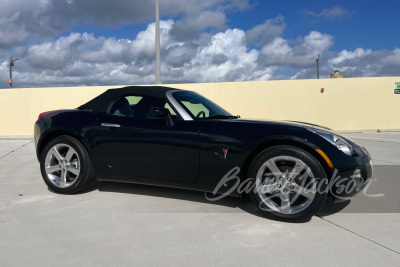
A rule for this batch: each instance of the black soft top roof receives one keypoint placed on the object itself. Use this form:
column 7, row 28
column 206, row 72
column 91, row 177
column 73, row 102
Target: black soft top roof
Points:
column 101, row 102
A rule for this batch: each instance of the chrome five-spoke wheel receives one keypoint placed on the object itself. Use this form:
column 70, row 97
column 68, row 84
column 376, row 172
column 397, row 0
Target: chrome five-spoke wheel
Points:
column 285, row 184
column 62, row 165
column 66, row 165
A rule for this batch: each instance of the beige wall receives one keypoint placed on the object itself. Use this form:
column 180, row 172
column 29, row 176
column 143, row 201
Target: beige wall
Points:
column 346, row 104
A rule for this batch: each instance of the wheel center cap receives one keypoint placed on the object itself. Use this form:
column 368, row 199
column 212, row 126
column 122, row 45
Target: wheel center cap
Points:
column 64, row 165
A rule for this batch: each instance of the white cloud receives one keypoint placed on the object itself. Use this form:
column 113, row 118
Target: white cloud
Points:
column 208, row 56
column 190, row 27
column 180, row 55
column 266, row 32
column 336, row 12
column 24, row 19
column 84, row 59
column 366, row 62
column 302, row 54
column 239, row 64
column 349, row 55
column 392, row 59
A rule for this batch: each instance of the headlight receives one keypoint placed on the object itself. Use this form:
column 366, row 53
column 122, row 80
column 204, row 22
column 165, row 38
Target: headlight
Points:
column 337, row 141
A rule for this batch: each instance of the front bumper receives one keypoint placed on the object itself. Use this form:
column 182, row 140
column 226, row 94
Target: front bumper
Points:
column 349, row 180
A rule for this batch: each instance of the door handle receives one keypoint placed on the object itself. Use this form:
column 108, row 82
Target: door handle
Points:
column 110, row 125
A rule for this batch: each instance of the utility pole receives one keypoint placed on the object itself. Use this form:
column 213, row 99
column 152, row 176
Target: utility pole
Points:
column 158, row 61
column 11, row 64
column 317, row 66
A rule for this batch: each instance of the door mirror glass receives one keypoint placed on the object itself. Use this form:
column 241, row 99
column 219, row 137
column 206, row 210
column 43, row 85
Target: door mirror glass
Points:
column 160, row 112
column 164, row 112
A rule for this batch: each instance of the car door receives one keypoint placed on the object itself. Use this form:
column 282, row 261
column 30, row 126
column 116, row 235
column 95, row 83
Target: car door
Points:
column 140, row 145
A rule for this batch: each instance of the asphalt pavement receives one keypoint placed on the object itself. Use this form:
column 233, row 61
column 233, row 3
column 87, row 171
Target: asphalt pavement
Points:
column 128, row 224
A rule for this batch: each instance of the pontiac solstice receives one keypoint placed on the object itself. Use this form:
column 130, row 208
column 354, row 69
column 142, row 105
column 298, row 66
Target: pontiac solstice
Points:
column 177, row 138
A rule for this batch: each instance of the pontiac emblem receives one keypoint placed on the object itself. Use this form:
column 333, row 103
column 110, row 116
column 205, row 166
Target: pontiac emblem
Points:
column 225, row 152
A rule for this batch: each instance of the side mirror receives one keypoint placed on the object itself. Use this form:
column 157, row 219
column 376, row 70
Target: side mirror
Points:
column 164, row 112
column 160, row 112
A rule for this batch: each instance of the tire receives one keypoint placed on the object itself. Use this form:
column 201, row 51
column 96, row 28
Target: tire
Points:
column 66, row 166
column 287, row 183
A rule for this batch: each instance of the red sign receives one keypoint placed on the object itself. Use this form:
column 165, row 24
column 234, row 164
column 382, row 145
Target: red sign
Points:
column 9, row 81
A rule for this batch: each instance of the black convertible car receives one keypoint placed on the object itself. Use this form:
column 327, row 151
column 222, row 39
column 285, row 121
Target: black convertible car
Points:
column 177, row 138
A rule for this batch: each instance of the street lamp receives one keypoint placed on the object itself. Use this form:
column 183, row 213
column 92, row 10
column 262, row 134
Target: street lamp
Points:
column 11, row 64
column 157, row 45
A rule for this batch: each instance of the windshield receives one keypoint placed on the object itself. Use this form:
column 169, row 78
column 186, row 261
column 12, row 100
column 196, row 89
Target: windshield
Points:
column 200, row 107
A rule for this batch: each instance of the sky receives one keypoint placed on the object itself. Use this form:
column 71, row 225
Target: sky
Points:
column 99, row 42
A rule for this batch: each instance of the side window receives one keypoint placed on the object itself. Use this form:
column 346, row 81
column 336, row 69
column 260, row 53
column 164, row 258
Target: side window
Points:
column 123, row 106
column 139, row 107
column 133, row 99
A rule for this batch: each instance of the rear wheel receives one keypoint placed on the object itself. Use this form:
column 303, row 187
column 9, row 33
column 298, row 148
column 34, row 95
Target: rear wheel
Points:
column 287, row 182
column 66, row 166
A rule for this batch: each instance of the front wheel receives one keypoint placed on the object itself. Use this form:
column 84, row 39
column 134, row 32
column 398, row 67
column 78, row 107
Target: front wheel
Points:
column 66, row 166
column 287, row 182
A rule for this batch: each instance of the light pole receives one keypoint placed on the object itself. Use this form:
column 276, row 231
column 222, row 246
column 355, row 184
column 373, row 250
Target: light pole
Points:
column 317, row 66
column 157, row 45
column 11, row 64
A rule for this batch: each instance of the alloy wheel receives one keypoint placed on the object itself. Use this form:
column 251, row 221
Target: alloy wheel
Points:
column 285, row 185
column 62, row 165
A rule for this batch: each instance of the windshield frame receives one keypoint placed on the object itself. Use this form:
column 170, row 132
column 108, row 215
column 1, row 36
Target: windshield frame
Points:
column 209, row 103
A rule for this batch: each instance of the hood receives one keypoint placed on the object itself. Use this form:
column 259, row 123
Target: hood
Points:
column 298, row 124
column 303, row 125
column 285, row 123
column 312, row 125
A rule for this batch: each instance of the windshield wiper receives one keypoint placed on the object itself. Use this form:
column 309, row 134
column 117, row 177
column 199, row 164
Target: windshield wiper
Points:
column 222, row 117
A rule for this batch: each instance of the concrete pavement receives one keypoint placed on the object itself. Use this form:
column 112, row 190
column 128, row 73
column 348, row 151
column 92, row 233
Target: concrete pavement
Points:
column 128, row 224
